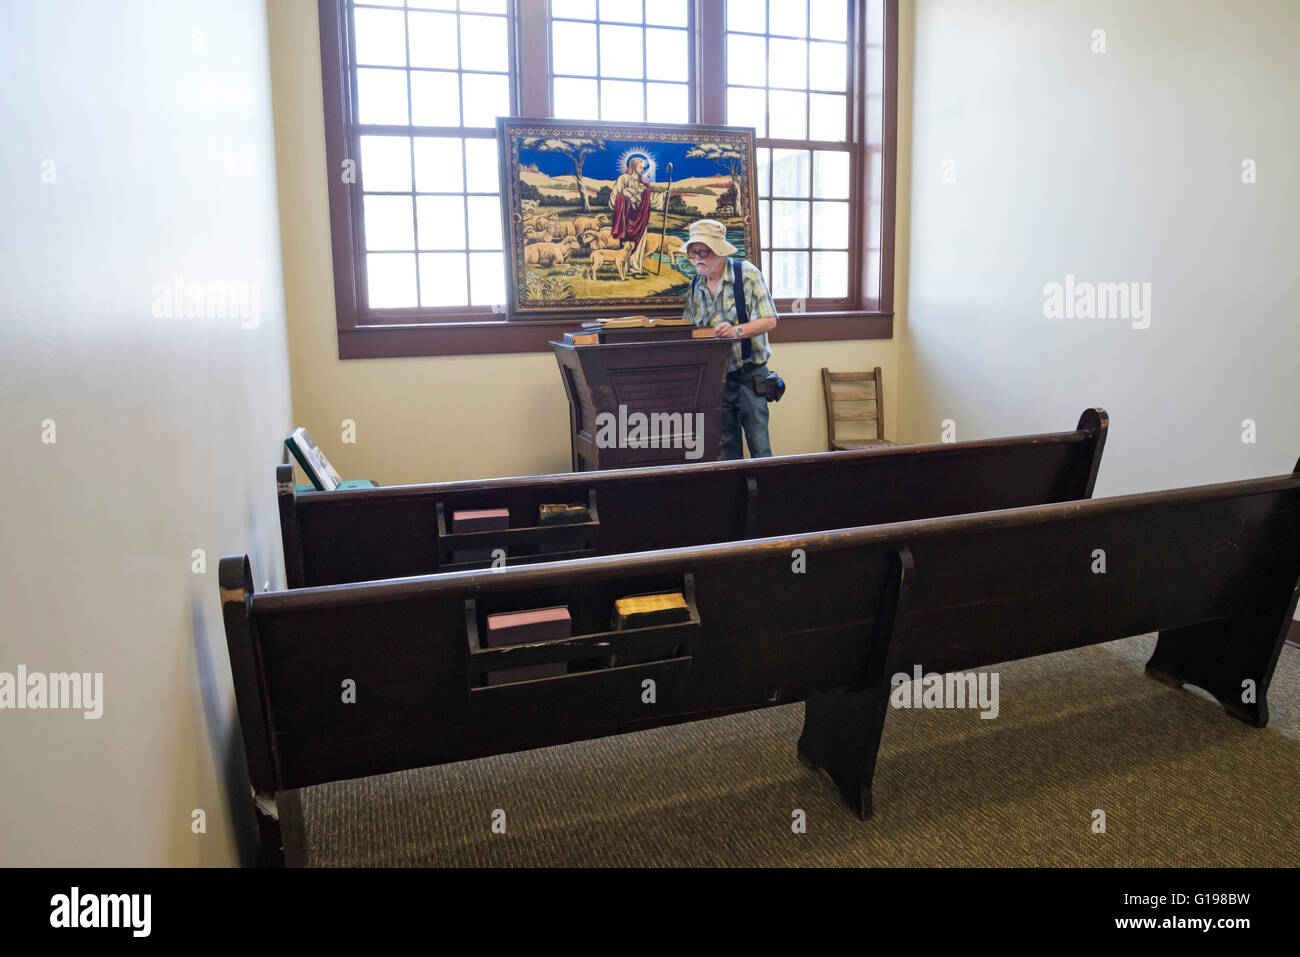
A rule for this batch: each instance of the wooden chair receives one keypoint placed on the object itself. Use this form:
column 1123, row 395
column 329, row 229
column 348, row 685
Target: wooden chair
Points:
column 863, row 401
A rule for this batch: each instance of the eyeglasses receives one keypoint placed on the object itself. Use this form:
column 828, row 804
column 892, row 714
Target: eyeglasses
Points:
column 700, row 253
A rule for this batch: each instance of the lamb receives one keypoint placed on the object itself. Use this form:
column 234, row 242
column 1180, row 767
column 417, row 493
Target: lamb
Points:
column 549, row 254
column 584, row 223
column 615, row 257
column 603, row 239
column 541, row 220
column 672, row 245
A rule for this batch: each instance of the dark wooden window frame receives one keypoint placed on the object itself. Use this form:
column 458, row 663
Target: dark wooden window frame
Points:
column 381, row 333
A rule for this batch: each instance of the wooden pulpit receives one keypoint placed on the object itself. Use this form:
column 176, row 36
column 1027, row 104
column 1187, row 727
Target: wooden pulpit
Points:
column 634, row 404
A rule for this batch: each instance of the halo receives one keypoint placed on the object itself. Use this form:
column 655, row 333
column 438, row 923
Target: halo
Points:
column 648, row 174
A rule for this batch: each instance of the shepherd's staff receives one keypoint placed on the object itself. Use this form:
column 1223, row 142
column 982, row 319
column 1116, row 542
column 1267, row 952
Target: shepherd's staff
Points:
column 663, row 236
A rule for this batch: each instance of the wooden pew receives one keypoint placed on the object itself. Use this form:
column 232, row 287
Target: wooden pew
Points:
column 370, row 534
column 1214, row 569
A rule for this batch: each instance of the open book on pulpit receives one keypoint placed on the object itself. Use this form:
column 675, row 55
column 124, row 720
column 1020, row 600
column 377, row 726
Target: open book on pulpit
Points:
column 635, row 329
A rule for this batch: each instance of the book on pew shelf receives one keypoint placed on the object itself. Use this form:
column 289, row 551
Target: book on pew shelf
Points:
column 523, row 627
column 571, row 514
column 647, row 611
column 477, row 520
column 312, row 460
column 581, row 338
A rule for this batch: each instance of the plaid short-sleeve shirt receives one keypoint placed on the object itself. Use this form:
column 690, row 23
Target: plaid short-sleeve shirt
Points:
column 707, row 311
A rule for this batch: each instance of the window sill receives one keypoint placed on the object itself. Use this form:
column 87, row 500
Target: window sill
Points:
column 533, row 335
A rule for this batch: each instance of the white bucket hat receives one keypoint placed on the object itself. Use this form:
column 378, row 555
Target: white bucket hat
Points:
column 713, row 234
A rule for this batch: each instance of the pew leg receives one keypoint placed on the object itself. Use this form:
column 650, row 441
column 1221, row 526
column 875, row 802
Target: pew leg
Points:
column 1233, row 659
column 282, row 834
column 841, row 737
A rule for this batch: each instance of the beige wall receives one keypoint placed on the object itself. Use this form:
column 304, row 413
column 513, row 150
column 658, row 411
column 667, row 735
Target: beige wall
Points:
column 157, row 120
column 459, row 417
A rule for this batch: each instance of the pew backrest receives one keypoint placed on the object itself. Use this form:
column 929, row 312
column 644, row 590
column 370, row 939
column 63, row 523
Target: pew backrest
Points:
column 378, row 533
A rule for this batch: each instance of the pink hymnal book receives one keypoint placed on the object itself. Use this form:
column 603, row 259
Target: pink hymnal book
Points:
column 522, row 627
column 479, row 520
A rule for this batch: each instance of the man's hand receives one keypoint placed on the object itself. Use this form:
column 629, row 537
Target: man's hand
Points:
column 725, row 330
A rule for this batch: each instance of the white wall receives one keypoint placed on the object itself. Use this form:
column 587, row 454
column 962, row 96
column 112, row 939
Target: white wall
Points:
column 157, row 119
column 1118, row 166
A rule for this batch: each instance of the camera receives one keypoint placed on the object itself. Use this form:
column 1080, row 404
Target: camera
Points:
column 768, row 385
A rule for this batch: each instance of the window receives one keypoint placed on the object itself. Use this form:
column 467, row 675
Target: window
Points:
column 413, row 89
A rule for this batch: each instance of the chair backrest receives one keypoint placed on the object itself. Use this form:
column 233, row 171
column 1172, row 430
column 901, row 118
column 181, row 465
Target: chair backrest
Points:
column 853, row 397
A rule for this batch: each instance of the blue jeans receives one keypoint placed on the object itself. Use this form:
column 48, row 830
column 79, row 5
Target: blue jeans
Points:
column 742, row 409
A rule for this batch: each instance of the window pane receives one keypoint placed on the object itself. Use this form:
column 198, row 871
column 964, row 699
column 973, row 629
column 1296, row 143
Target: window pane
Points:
column 386, row 163
column 621, row 100
column 789, row 18
column 668, row 103
column 765, row 223
column 791, row 172
column 747, row 15
column 576, row 100
column 431, row 4
column 484, row 222
column 875, row 21
column 581, row 9
column 831, row 225
column 829, row 20
column 390, row 280
column 767, row 270
column 665, row 52
column 826, row 116
column 830, row 275
column 747, row 108
column 668, row 13
column 481, row 171
column 380, row 37
column 789, row 224
column 487, row 278
column 442, row 222
column 789, row 275
column 438, row 165
column 871, row 281
column 433, row 40
column 483, row 6
column 828, row 66
column 788, row 64
column 487, row 96
column 573, row 48
column 789, row 115
column 388, row 223
column 483, row 44
column 746, row 60
column 385, row 3
column 625, row 11
column 381, row 97
column 442, row 279
column 873, row 227
column 435, row 98
column 830, row 174
column 620, row 51
column 762, row 164
column 875, row 118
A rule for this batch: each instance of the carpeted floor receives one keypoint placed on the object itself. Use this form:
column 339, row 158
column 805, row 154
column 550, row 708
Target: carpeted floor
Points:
column 1181, row 784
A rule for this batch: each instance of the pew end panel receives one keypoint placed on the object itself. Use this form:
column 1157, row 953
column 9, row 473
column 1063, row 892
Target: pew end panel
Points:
column 842, row 728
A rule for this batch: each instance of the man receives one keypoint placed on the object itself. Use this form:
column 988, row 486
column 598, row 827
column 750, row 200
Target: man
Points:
column 631, row 200
column 712, row 303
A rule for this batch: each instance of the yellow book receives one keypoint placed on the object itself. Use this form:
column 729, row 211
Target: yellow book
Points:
column 643, row 611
